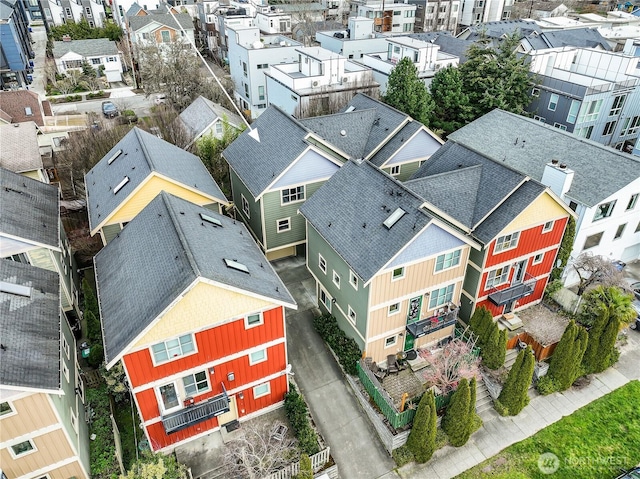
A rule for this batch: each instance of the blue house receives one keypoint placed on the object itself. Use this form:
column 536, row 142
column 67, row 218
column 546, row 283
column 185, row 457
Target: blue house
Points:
column 15, row 45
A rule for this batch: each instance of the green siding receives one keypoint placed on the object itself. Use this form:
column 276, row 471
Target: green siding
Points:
column 466, row 309
column 406, row 170
column 477, row 257
column 346, row 295
column 111, row 231
column 215, row 206
column 471, row 280
column 238, row 190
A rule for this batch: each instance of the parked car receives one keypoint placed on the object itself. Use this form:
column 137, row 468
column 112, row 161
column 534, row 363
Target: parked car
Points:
column 619, row 265
column 634, row 286
column 109, row 109
column 631, row 474
column 635, row 324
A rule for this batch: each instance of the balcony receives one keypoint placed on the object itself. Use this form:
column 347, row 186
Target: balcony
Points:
column 197, row 413
column 434, row 323
column 500, row 297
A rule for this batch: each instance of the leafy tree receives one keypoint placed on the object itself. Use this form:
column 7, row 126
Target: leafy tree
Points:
column 514, row 395
column 564, row 368
column 448, row 366
column 612, row 308
column 451, row 108
column 306, row 468
column 564, row 253
column 422, row 439
column 495, row 77
column 407, row 93
column 495, row 347
column 83, row 31
column 157, row 466
column 456, row 421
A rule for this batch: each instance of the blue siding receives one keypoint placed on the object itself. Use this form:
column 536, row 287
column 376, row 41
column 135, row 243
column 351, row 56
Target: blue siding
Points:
column 419, row 147
column 431, row 241
column 312, row 166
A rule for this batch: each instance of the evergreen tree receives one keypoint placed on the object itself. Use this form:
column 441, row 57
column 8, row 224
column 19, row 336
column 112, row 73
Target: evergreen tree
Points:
column 565, row 367
column 565, row 248
column 422, row 438
column 473, row 386
column 94, row 330
column 456, row 422
column 514, row 395
column 90, row 301
column 407, row 93
column 495, row 347
column 483, row 325
column 451, row 108
column 306, row 468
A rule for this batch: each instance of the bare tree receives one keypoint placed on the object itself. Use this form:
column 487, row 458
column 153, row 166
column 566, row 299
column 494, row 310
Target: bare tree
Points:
column 255, row 454
column 454, row 362
column 594, row 270
column 327, row 102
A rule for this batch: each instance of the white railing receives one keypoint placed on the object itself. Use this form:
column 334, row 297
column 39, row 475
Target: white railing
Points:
column 318, row 461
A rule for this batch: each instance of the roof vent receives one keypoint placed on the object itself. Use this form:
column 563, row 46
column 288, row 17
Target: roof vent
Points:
column 210, row 219
column 343, row 132
column 120, row 185
column 562, row 166
column 16, row 289
column 233, row 264
column 394, row 218
column 113, row 158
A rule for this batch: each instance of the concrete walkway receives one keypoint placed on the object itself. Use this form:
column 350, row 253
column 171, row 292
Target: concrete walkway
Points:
column 354, row 444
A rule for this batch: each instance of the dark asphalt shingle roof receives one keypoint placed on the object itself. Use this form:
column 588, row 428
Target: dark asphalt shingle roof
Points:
column 600, row 171
column 30, row 328
column 87, row 48
column 137, row 22
column 259, row 163
column 447, row 43
column 339, row 214
column 160, row 253
column 395, row 143
column 202, row 113
column 29, row 209
column 142, row 154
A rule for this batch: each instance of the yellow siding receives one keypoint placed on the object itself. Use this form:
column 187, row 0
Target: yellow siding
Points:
column 379, row 353
column 149, row 190
column 543, row 209
column 33, row 174
column 204, row 306
column 41, row 257
column 70, row 470
column 33, row 412
column 51, row 448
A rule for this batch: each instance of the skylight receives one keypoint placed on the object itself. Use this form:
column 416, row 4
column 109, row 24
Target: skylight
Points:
column 394, row 218
column 16, row 289
column 350, row 109
column 113, row 158
column 210, row 219
column 235, row 265
column 121, row 185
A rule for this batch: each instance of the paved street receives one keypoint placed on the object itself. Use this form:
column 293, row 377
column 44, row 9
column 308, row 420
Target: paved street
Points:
column 353, row 441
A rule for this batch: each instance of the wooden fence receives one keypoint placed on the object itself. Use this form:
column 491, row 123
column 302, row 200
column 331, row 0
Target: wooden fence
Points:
column 541, row 351
column 318, row 461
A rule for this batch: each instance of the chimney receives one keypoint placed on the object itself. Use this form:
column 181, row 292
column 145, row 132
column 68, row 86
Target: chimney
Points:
column 66, row 38
column 558, row 178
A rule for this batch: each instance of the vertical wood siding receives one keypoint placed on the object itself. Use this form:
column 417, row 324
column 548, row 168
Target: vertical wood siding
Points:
column 33, row 412
column 51, row 448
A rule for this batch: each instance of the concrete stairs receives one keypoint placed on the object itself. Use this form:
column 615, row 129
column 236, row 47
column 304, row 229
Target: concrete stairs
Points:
column 510, row 358
column 483, row 399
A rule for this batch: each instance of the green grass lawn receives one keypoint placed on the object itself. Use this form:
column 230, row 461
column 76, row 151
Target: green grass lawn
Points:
column 594, row 442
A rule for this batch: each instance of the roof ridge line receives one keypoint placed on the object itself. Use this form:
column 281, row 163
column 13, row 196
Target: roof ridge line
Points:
column 145, row 151
column 181, row 236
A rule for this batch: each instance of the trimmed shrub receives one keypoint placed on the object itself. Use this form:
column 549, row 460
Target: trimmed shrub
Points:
column 456, row 421
column 306, row 469
column 482, row 325
column 298, row 416
column 565, row 365
column 422, row 439
column 94, row 332
column 402, row 455
column 96, row 356
column 495, row 347
column 514, row 397
column 546, row 385
column 343, row 346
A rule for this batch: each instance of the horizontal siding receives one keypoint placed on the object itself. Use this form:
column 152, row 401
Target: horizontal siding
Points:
column 420, row 147
column 377, row 351
column 544, row 208
column 42, row 258
column 33, row 412
column 212, row 344
column 312, row 166
column 69, row 471
column 51, row 448
column 432, row 241
column 254, row 222
column 111, row 231
column 406, row 170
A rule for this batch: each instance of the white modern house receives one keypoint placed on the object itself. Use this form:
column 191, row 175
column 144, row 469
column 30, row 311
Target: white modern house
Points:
column 474, row 12
column 354, row 42
column 250, row 57
column 100, row 53
column 318, row 82
column 59, row 12
column 273, row 20
column 426, row 56
column 388, row 17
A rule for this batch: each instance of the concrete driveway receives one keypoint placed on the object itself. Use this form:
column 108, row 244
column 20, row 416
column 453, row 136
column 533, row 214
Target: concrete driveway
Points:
column 354, row 444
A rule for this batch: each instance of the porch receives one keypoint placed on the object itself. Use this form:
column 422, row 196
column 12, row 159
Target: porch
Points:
column 195, row 413
column 509, row 295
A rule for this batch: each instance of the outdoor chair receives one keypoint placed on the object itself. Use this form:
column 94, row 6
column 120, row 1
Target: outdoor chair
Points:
column 378, row 372
column 392, row 364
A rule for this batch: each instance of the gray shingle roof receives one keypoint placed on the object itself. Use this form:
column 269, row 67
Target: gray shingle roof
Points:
column 136, row 22
column 340, row 214
column 19, row 151
column 258, row 163
column 30, row 209
column 395, row 143
column 201, row 113
column 578, row 37
column 497, row 29
column 161, row 252
column 447, row 43
column 30, row 328
column 600, row 171
column 142, row 154
column 468, row 186
column 87, row 48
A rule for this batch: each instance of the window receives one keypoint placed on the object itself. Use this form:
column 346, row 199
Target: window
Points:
column 497, row 277
column 68, row 12
column 448, row 260
column 397, row 13
column 394, row 308
column 196, row 383
column 537, row 259
column 65, row 371
column 548, row 226
column 637, row 227
column 96, row 61
column 573, row 111
column 244, row 68
column 619, row 231
column 169, row 396
column 245, row 206
column 535, row 92
column 631, row 125
column 573, row 205
column 506, row 242
column 219, row 127
column 325, row 299
column 261, row 390
column 591, row 112
column 28, row 111
column 618, row 103
column 604, row 210
column 283, row 225
column 609, row 127
column 261, row 92
column 258, row 356
column 353, row 279
column 74, row 420
column 352, row 315
column 560, row 126
column 553, row 102
column 263, row 66
column 166, row 36
column 322, row 264
column 253, row 320
column 291, row 195
column 22, row 448
column 65, row 347
column 632, row 202
column 390, row 341
column 407, row 27
column 5, row 409
column 173, row 348
column 336, row 279
column 395, row 170
column 539, row 118
column 592, row 241
column 441, row 296
column 112, row 59
column 397, row 273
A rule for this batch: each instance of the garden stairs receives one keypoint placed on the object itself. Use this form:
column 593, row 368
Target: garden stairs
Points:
column 483, row 399
column 219, row 472
column 510, row 358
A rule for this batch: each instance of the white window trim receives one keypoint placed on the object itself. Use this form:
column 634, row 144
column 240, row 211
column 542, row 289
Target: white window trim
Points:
column 350, row 311
column 74, row 420
column 353, row 280
column 291, row 202
column 252, row 361
column 435, row 264
column 333, row 278
column 259, row 323
column 329, row 299
column 175, row 358
column 245, row 206
column 161, row 407
column 495, row 248
column 493, row 285
column 393, row 313
column 320, row 261
column 397, row 277
column 65, row 347
column 197, row 393
column 534, row 261
column 13, row 411
column 19, row 456
column 547, row 230
column 288, row 228
column 395, row 341
column 65, row 370
column 256, row 395
column 394, row 170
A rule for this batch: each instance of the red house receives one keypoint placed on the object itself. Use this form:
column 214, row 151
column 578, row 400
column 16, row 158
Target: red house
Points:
column 516, row 222
column 195, row 313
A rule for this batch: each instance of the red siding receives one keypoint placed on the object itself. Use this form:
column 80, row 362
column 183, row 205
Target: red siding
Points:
column 212, row 344
column 535, row 296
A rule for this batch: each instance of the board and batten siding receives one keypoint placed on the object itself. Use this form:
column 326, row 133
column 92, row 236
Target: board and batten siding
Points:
column 51, row 260
column 254, row 222
column 417, row 149
column 110, row 232
column 33, row 412
column 406, row 170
